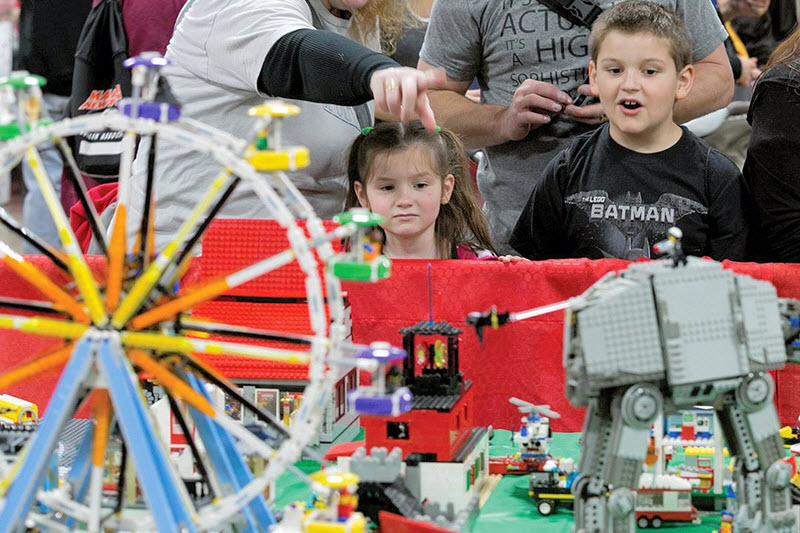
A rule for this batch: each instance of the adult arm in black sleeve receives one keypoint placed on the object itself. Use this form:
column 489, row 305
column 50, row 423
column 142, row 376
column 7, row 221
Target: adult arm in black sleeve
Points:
column 729, row 212
column 320, row 66
column 540, row 232
column 733, row 57
column 773, row 159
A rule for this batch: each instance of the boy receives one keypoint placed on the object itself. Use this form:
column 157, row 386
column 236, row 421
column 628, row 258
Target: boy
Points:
column 617, row 190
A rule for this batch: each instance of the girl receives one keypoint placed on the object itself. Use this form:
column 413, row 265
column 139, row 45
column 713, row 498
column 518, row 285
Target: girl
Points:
column 418, row 181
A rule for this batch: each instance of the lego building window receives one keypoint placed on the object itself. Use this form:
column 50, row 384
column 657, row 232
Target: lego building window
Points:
column 397, row 430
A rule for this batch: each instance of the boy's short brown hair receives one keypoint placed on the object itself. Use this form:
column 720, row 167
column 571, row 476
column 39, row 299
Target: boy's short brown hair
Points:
column 641, row 16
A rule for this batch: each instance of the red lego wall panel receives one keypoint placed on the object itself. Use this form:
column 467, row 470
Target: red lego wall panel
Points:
column 231, row 244
column 522, row 359
column 279, row 317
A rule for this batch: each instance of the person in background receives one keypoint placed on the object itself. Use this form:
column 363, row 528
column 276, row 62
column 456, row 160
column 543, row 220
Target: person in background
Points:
column 762, row 29
column 745, row 68
column 322, row 55
column 418, row 181
column 148, row 28
column 772, row 166
column 616, row 191
column 409, row 43
column 48, row 33
column 531, row 65
column 149, row 24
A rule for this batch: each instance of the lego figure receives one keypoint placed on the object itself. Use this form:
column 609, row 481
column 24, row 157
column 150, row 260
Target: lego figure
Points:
column 362, row 259
column 372, row 243
column 383, row 396
column 335, row 503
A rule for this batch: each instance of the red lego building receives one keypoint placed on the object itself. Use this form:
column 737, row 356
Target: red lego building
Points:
column 441, row 419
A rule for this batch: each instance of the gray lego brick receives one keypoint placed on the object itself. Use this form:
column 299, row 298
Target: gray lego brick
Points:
column 405, row 502
column 762, row 322
column 701, row 339
column 379, row 466
column 619, row 333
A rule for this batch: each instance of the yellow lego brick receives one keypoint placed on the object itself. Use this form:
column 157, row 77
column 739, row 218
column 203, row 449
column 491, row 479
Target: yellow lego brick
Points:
column 289, row 158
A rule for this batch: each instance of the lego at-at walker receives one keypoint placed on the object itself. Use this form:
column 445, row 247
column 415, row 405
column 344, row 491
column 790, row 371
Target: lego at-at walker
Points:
column 666, row 335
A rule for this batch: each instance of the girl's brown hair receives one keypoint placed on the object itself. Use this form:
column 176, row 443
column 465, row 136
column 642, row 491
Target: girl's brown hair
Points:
column 460, row 220
column 787, row 50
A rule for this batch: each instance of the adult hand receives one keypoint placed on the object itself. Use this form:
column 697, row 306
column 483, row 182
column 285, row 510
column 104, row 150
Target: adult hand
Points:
column 589, row 113
column 401, row 92
column 532, row 105
column 750, row 71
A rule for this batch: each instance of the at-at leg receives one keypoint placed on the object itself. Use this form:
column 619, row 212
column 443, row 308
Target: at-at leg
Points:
column 750, row 423
column 615, row 435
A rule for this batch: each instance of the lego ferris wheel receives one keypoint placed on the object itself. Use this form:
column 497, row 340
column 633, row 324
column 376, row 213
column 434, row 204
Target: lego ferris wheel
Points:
column 123, row 314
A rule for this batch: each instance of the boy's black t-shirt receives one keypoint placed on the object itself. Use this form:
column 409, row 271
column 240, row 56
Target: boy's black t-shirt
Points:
column 598, row 199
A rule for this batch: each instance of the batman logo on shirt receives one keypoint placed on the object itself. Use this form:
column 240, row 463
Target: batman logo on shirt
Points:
column 632, row 221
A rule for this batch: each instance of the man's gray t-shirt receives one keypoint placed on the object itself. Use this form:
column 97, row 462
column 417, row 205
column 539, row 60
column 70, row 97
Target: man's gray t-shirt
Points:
column 218, row 49
column 502, row 43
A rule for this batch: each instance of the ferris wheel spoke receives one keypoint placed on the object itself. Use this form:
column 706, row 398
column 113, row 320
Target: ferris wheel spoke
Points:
column 56, row 256
column 212, row 289
column 52, row 358
column 212, row 376
column 177, row 268
column 30, row 305
column 209, row 374
column 118, row 248
column 102, row 414
column 188, row 326
column 75, row 260
column 152, row 275
column 144, row 247
column 190, row 442
column 174, row 385
column 27, row 271
column 160, row 342
column 46, row 327
column 74, row 176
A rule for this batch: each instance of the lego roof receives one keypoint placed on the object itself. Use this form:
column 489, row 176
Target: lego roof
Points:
column 438, row 403
column 431, row 328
